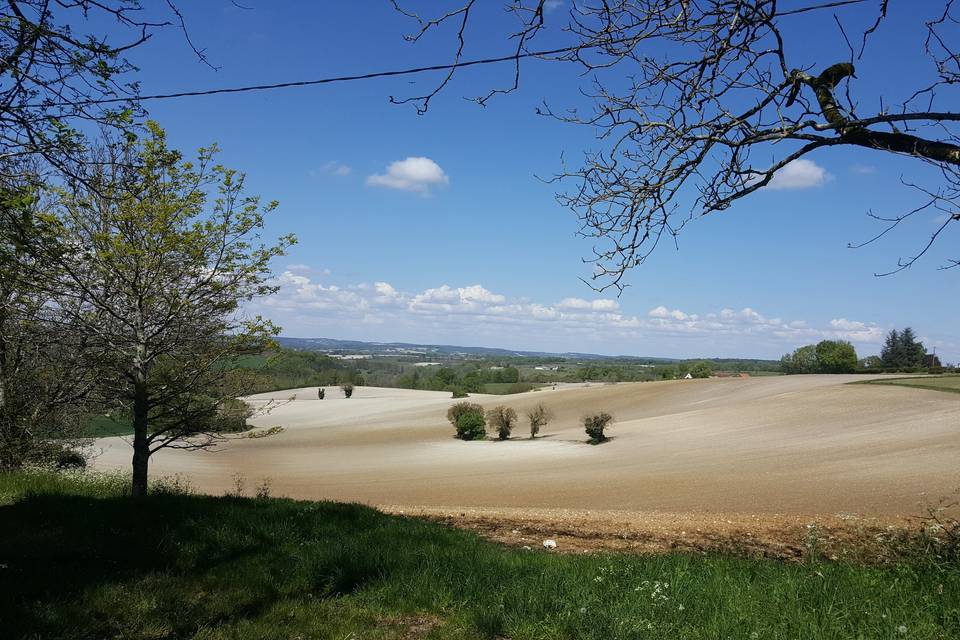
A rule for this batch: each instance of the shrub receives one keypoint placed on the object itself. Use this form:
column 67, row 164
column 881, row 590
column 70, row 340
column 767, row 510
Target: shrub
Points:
column 502, row 419
column 347, row 389
column 232, row 416
column 595, row 425
column 462, row 408
column 519, row 387
column 702, row 369
column 175, row 485
column 471, row 426
column 321, row 393
column 539, row 416
column 458, row 392
column 67, row 458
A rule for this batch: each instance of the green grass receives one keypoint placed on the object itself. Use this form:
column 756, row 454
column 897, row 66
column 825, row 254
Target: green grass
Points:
column 508, row 388
column 79, row 559
column 101, row 426
column 949, row 383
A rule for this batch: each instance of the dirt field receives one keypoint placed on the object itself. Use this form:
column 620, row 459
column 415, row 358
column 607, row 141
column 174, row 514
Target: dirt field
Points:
column 791, row 445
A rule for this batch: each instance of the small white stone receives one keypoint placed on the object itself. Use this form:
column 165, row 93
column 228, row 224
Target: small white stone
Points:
column 550, row 544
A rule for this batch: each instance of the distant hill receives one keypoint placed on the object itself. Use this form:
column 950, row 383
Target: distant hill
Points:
column 332, row 345
column 446, row 351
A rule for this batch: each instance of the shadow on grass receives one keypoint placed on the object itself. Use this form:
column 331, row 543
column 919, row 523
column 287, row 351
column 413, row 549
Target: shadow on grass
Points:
column 80, row 561
column 76, row 566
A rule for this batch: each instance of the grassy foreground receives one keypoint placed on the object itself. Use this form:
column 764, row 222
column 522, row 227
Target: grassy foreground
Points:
column 949, row 383
column 80, row 559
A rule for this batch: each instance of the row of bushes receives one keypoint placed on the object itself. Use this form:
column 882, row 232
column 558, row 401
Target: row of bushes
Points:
column 470, row 421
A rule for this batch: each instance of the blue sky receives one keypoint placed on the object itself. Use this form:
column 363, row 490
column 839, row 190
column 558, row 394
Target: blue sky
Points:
column 463, row 244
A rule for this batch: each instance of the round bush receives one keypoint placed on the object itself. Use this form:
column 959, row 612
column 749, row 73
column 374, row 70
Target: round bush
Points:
column 595, row 425
column 462, row 408
column 502, row 419
column 471, row 426
column 70, row 459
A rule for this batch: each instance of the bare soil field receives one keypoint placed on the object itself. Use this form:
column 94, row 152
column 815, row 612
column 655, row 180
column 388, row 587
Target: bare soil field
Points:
column 786, row 449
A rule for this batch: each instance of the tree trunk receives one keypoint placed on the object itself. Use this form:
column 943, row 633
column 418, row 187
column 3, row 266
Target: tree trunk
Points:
column 141, row 448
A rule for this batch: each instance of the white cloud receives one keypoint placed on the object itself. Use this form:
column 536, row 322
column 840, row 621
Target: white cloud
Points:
column 799, row 174
column 552, row 5
column 331, row 168
column 854, row 331
column 595, row 305
column 663, row 312
column 863, row 169
column 415, row 174
column 384, row 289
column 471, row 312
column 843, row 324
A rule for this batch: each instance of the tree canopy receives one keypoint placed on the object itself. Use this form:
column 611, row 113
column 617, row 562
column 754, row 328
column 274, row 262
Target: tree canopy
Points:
column 56, row 78
column 697, row 104
column 902, row 350
column 827, row 356
column 158, row 254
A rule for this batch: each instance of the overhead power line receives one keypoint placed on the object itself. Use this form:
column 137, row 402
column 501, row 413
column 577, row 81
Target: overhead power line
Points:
column 309, row 83
column 399, row 72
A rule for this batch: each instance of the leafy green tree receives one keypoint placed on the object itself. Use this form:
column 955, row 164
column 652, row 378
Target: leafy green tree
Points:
column 802, row 360
column 836, row 356
column 44, row 384
column 162, row 253
column 471, row 426
column 461, row 408
column 668, row 373
column 702, row 369
column 871, row 362
column 827, row 356
column 446, row 376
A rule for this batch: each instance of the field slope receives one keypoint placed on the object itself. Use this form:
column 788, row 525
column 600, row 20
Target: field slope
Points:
column 772, row 445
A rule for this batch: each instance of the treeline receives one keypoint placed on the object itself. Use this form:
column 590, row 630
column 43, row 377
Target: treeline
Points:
column 288, row 369
column 901, row 352
column 465, row 378
column 292, row 368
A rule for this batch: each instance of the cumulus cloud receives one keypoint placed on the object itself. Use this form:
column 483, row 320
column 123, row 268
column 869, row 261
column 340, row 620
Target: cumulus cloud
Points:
column 385, row 289
column 855, row 331
column 595, row 305
column 799, row 174
column 475, row 310
column 417, row 174
column 664, row 313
